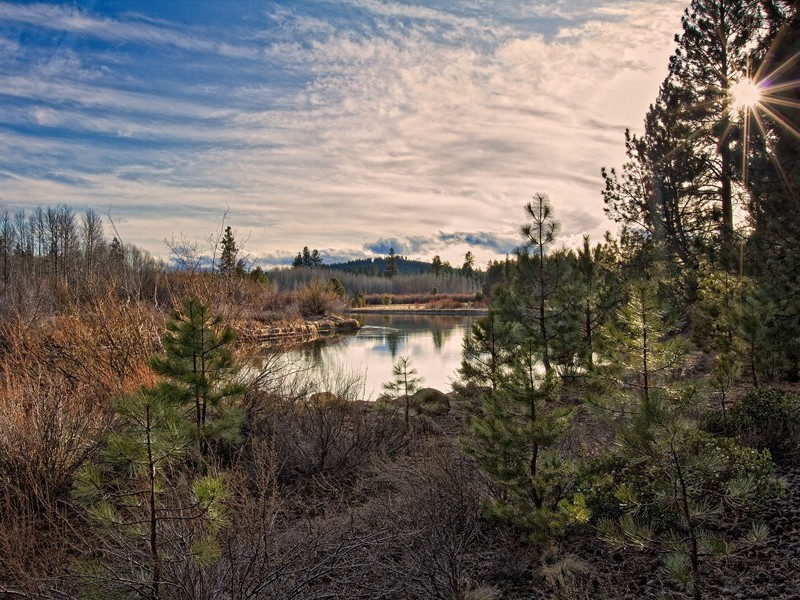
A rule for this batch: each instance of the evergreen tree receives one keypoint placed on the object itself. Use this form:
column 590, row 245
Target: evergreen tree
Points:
column 713, row 55
column 306, row 257
column 661, row 191
column 337, row 287
column 259, row 276
column 298, row 261
column 200, row 371
column 682, row 482
column 773, row 252
column 406, row 381
column 436, row 265
column 598, row 293
column 514, row 442
column 469, row 264
column 528, row 300
column 487, row 352
column 228, row 259
column 315, row 259
column 116, row 254
column 391, row 264
column 131, row 495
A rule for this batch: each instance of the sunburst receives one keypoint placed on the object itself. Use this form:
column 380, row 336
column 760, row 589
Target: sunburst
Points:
column 757, row 97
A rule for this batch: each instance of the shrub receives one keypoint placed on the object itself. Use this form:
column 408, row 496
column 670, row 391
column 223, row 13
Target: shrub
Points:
column 768, row 418
column 316, row 299
column 386, row 300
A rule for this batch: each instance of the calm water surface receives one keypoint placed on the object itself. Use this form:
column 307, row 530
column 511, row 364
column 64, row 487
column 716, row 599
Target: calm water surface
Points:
column 432, row 341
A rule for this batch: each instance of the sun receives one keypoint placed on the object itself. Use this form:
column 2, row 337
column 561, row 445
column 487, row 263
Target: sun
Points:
column 745, row 95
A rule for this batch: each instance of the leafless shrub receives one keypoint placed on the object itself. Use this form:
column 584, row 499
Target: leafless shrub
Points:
column 317, row 299
column 431, row 506
column 324, row 432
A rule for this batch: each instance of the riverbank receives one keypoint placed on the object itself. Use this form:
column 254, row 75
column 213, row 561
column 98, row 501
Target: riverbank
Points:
column 419, row 309
column 296, row 331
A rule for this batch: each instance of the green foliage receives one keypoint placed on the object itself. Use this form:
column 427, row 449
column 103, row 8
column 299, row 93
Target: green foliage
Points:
column 515, row 440
column 486, row 352
column 337, row 288
column 134, row 494
column 200, row 372
column 469, row 264
column 391, row 264
column 259, row 276
column 386, row 300
column 735, row 318
column 360, row 300
column 680, row 485
column 768, row 418
column 405, row 381
column 640, row 353
column 228, row 259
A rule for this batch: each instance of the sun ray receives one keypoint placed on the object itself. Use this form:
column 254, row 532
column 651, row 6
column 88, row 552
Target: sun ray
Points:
column 772, row 47
column 781, row 120
column 782, row 102
column 774, row 158
column 780, row 87
column 786, row 64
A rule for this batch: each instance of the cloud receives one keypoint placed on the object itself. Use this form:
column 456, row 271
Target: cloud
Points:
column 65, row 18
column 430, row 124
column 426, row 245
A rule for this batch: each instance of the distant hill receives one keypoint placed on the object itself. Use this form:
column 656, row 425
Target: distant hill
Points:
column 378, row 266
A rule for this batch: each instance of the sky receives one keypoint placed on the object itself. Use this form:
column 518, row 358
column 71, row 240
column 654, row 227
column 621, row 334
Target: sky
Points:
column 350, row 126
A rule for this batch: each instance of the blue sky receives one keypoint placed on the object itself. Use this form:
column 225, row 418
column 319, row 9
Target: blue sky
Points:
column 338, row 124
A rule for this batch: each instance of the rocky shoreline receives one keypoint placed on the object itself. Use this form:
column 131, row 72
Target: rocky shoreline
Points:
column 300, row 331
column 419, row 309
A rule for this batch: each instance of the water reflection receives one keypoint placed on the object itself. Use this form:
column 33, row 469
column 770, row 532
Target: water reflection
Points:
column 434, row 342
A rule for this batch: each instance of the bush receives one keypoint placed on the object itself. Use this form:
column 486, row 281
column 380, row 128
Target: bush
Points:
column 768, row 418
column 316, row 299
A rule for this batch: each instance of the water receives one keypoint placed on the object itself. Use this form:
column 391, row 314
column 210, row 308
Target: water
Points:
column 432, row 341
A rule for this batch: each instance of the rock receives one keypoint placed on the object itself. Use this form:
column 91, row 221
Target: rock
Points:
column 429, row 401
column 323, row 398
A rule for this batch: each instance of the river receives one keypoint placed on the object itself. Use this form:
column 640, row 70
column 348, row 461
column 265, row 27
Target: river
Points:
column 432, row 341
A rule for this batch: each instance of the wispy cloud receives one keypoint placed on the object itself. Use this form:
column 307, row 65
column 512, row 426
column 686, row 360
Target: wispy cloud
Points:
column 63, row 17
column 331, row 124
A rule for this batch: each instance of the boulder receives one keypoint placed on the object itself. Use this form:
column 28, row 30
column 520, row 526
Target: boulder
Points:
column 323, row 398
column 429, row 401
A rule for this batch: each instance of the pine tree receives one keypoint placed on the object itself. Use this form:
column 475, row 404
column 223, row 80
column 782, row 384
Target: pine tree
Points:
column 514, row 442
column 598, row 293
column 436, row 265
column 298, row 261
column 306, row 257
column 228, row 259
column 487, row 352
column 391, row 264
column 315, row 259
column 129, row 493
column 406, row 381
column 682, row 482
column 528, row 300
column 469, row 264
column 200, row 371
column 713, row 54
column 773, row 252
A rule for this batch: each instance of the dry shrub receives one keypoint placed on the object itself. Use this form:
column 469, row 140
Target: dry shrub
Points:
column 49, row 427
column 565, row 574
column 430, row 506
column 324, row 434
column 268, row 548
column 317, row 299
